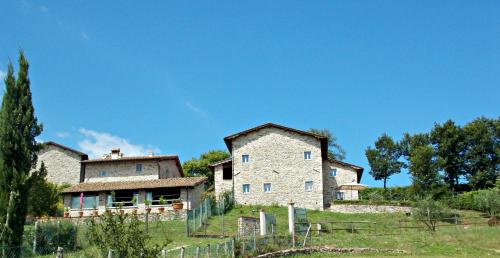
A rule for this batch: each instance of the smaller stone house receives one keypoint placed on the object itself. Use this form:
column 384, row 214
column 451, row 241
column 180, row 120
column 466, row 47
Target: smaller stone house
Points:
column 131, row 184
column 63, row 163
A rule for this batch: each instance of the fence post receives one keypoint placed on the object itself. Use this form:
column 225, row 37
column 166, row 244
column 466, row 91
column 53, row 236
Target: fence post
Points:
column 208, row 250
column 262, row 217
column 291, row 222
column 182, row 252
column 254, row 236
column 222, row 214
column 163, row 253
column 318, row 227
column 197, row 254
column 243, row 247
column 233, row 251
column 217, row 250
column 60, row 252
column 225, row 249
column 34, row 238
column 110, row 253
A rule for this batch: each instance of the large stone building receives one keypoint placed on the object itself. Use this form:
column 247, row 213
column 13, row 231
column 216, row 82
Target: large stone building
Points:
column 274, row 164
column 116, row 181
column 63, row 163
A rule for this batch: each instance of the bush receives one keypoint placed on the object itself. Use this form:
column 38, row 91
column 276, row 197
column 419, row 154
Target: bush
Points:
column 50, row 235
column 389, row 194
column 481, row 200
column 123, row 234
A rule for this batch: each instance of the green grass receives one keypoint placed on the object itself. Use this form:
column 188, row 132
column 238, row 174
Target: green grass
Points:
column 478, row 241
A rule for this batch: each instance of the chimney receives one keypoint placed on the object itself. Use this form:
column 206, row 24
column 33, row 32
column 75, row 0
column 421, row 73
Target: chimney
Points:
column 115, row 153
column 151, row 153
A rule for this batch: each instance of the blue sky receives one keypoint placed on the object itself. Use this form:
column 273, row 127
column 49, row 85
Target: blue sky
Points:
column 178, row 76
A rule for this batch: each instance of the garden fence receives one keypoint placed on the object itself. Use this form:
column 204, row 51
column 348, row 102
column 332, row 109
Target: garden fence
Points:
column 196, row 219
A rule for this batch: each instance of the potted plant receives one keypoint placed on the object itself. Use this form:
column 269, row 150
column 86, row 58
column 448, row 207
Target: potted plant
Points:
column 177, row 204
column 147, row 203
column 66, row 212
column 162, row 203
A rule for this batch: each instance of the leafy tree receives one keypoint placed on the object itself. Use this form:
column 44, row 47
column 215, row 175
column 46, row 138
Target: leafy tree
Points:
column 449, row 142
column 429, row 212
column 44, row 196
column 18, row 153
column 488, row 201
column 199, row 167
column 335, row 151
column 123, row 234
column 384, row 159
column 424, row 170
column 482, row 154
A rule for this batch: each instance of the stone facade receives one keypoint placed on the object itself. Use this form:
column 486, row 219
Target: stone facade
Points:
column 344, row 175
column 126, row 170
column 63, row 165
column 277, row 157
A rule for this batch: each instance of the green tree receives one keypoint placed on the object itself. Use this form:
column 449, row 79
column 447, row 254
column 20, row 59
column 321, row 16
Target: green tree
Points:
column 384, row 159
column 429, row 212
column 18, row 153
column 424, row 170
column 200, row 166
column 482, row 154
column 335, row 151
column 449, row 142
column 44, row 196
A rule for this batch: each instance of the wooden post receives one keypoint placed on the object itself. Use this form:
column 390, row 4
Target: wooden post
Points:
column 197, row 254
column 163, row 253
column 60, row 252
column 147, row 220
column 194, row 219
column 110, row 253
column 187, row 223
column 225, row 249
column 217, row 250
column 243, row 247
column 182, row 252
column 254, row 237
column 208, row 250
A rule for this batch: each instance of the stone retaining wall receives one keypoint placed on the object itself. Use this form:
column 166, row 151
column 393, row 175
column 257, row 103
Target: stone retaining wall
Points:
column 360, row 208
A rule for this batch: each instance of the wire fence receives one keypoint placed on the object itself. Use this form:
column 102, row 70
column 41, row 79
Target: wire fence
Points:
column 196, row 219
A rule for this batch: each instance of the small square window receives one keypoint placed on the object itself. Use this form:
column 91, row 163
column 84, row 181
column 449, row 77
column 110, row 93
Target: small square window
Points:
column 138, row 168
column 103, row 173
column 333, row 172
column 339, row 195
column 245, row 158
column 267, row 187
column 309, row 186
column 246, row 188
column 307, row 155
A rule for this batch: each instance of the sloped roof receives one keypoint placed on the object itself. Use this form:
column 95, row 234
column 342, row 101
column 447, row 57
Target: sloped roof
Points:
column 83, row 155
column 359, row 170
column 324, row 140
column 132, row 185
column 139, row 158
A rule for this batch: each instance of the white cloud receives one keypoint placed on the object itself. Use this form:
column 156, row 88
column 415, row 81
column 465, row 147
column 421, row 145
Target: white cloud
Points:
column 97, row 143
column 62, row 135
column 85, row 36
column 193, row 107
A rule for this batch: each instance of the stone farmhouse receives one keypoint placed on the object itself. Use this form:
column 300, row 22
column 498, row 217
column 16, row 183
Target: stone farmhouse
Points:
column 118, row 181
column 274, row 164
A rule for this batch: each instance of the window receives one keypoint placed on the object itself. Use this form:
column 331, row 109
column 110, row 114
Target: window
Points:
column 89, row 201
column 138, row 168
column 245, row 158
column 103, row 173
column 307, row 155
column 339, row 195
column 333, row 172
column 246, row 188
column 267, row 187
column 309, row 186
column 227, row 173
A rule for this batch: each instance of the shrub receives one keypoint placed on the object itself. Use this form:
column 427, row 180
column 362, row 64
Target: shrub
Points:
column 50, row 235
column 488, row 201
column 123, row 234
column 389, row 194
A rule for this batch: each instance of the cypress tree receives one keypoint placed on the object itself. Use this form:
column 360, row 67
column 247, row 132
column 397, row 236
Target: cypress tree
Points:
column 18, row 154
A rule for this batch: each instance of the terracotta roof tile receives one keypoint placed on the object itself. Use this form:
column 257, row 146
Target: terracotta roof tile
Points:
column 131, row 185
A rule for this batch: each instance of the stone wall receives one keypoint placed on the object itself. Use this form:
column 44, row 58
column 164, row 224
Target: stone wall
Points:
column 276, row 156
column 155, row 215
column 63, row 166
column 359, row 208
column 221, row 185
column 345, row 175
column 126, row 170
